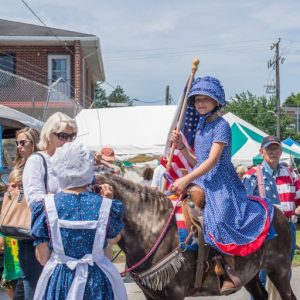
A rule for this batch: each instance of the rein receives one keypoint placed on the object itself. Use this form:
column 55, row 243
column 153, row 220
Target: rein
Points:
column 157, row 242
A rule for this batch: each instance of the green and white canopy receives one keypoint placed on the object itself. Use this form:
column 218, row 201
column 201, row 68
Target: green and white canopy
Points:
column 246, row 140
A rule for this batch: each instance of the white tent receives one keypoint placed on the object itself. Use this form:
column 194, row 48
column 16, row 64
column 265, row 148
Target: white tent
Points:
column 12, row 118
column 131, row 131
column 141, row 131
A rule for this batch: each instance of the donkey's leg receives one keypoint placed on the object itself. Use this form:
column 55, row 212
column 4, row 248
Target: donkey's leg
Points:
column 256, row 289
column 282, row 283
column 175, row 293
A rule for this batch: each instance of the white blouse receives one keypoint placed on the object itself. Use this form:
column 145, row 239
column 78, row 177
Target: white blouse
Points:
column 33, row 179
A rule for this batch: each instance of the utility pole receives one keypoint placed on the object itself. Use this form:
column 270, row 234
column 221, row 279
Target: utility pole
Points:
column 275, row 63
column 168, row 98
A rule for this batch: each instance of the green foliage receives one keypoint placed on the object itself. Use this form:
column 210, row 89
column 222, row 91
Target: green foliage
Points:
column 100, row 97
column 116, row 96
column 292, row 101
column 260, row 112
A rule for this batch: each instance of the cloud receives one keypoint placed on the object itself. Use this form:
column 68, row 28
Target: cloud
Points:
column 279, row 15
column 149, row 44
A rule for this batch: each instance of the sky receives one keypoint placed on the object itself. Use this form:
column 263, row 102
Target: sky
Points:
column 147, row 45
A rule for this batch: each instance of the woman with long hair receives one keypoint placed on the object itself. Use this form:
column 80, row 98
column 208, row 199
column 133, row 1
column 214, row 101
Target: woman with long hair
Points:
column 26, row 141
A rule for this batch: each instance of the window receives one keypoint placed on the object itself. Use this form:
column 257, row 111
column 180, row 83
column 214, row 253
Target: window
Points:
column 59, row 67
column 8, row 64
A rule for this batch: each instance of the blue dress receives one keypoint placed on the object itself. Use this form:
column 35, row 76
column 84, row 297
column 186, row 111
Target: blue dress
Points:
column 233, row 222
column 82, row 207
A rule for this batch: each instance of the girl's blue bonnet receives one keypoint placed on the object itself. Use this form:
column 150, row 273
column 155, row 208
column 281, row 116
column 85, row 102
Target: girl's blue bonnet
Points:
column 207, row 86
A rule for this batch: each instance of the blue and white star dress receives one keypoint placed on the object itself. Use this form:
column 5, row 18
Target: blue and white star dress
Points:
column 71, row 224
column 234, row 223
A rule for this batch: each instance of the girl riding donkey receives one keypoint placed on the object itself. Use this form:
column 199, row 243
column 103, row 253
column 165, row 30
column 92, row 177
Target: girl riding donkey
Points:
column 71, row 228
column 234, row 224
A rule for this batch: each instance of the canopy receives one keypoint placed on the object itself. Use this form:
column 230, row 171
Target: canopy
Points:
column 10, row 121
column 291, row 143
column 132, row 131
column 15, row 119
column 246, row 140
column 140, row 133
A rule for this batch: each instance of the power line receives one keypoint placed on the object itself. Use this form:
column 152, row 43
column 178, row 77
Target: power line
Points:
column 49, row 29
column 180, row 54
column 149, row 102
column 110, row 84
column 190, row 47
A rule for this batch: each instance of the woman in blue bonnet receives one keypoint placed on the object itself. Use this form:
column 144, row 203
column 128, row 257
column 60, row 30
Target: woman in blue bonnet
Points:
column 234, row 223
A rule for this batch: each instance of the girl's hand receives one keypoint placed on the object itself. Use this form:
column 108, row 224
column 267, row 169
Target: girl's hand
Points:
column 114, row 240
column 179, row 185
column 1, row 244
column 176, row 138
column 106, row 190
column 42, row 253
column 297, row 211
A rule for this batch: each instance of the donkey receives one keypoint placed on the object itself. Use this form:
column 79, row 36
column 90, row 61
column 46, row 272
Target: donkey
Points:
column 146, row 213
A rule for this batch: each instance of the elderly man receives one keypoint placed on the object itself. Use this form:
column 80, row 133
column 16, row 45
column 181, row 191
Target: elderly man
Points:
column 276, row 182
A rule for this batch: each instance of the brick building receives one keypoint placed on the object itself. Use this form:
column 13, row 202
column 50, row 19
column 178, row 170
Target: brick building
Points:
column 43, row 55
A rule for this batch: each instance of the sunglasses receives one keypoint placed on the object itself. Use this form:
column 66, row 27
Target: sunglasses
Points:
column 22, row 143
column 12, row 185
column 62, row 136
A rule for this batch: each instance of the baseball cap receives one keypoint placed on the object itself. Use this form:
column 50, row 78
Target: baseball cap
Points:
column 269, row 140
column 108, row 154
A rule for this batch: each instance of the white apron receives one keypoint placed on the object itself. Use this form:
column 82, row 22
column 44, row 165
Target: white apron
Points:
column 58, row 256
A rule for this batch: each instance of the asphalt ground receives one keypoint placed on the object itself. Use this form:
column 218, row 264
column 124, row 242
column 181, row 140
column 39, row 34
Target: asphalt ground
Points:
column 134, row 293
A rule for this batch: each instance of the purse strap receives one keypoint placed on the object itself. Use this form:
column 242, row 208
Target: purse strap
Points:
column 45, row 167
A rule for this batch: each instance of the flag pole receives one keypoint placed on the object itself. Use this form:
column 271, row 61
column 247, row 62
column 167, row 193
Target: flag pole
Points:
column 181, row 115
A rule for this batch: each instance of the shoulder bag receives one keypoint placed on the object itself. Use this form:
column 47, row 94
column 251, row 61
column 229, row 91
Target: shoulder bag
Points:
column 15, row 218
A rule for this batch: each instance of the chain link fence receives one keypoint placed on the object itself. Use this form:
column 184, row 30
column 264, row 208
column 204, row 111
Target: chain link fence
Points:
column 33, row 98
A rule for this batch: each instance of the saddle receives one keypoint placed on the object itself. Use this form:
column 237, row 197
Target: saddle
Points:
column 193, row 203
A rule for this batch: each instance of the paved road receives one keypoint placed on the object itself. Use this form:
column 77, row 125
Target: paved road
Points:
column 134, row 293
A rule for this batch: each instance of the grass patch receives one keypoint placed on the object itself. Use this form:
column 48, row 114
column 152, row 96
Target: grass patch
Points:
column 296, row 260
column 121, row 256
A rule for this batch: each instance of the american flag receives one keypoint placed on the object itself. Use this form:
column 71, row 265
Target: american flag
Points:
column 188, row 128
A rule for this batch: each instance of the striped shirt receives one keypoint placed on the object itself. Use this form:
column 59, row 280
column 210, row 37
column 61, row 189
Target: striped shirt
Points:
column 281, row 186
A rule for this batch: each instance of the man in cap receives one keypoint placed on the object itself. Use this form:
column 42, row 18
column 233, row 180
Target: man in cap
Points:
column 276, row 182
column 104, row 161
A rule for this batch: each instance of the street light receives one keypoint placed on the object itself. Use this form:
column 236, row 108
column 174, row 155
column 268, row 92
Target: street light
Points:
column 271, row 88
column 272, row 112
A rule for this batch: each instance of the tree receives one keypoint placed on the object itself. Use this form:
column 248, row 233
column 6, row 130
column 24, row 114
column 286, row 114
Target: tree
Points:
column 100, row 97
column 259, row 111
column 292, row 100
column 118, row 96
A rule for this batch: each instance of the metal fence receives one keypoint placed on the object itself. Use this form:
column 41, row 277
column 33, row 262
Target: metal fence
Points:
column 33, row 98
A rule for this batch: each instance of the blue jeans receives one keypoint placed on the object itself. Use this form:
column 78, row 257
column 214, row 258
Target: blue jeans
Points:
column 31, row 268
column 262, row 273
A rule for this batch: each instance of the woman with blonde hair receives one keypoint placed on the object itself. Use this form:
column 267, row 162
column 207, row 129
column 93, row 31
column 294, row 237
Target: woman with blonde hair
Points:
column 26, row 142
column 40, row 179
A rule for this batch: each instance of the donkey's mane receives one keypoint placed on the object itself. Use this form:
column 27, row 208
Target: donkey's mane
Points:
column 125, row 190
